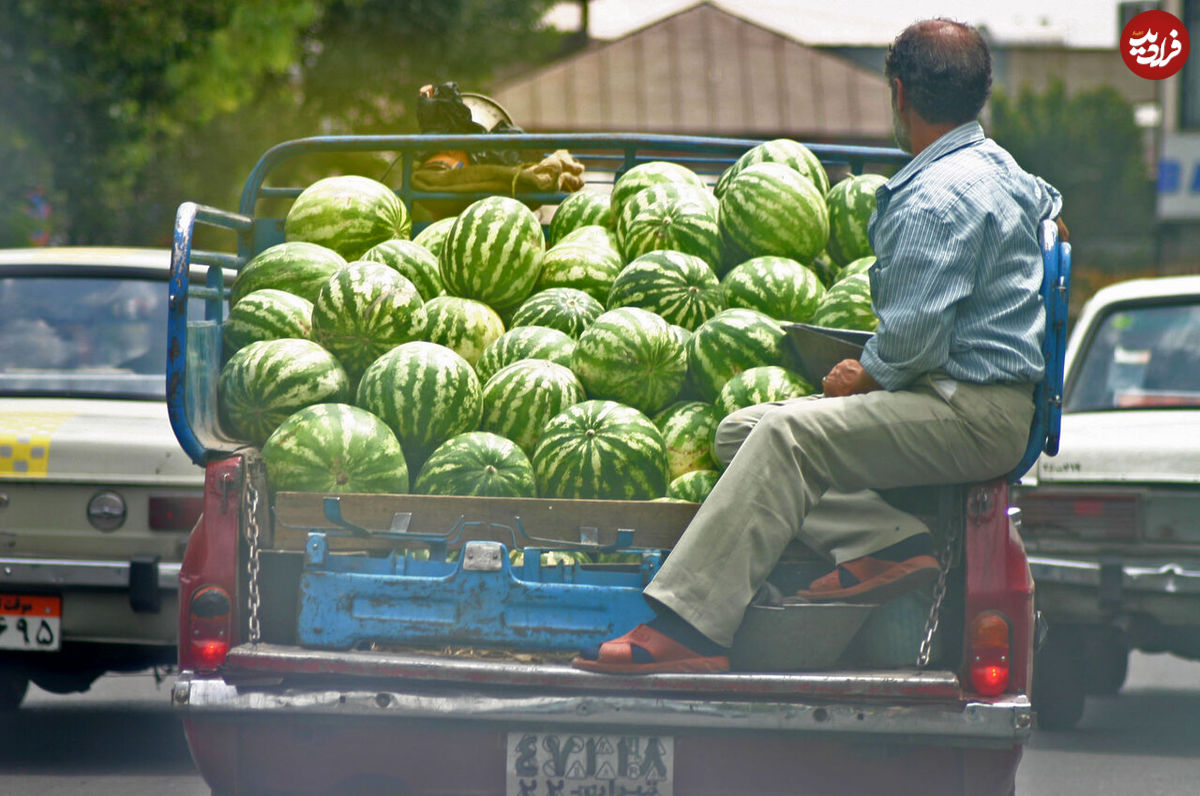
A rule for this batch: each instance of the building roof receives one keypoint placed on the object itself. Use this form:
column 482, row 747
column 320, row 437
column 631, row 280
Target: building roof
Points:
column 704, row 71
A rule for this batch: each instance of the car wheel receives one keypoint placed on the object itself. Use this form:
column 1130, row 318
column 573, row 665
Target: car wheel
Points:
column 13, row 685
column 1058, row 682
column 1106, row 666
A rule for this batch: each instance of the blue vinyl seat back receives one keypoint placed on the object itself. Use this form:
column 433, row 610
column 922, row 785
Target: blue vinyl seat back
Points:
column 1048, row 397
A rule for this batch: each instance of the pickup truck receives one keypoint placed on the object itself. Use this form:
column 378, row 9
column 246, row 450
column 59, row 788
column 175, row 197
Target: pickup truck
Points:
column 319, row 653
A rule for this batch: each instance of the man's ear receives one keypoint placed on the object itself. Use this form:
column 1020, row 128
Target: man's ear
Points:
column 898, row 94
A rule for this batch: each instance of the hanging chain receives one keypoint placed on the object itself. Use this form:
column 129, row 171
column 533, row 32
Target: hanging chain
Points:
column 253, row 565
column 946, row 560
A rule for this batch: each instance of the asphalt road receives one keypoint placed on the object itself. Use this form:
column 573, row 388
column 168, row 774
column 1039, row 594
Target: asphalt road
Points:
column 121, row 738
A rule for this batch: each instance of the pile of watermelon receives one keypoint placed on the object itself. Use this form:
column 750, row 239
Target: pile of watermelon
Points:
column 487, row 356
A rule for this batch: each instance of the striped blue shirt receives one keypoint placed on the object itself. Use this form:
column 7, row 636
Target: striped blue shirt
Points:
column 959, row 269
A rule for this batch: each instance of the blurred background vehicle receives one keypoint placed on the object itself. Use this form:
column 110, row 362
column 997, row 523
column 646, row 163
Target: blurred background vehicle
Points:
column 1113, row 522
column 96, row 498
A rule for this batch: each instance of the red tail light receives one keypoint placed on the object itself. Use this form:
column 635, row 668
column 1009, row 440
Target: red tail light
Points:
column 1086, row 516
column 990, row 656
column 209, row 627
column 175, row 512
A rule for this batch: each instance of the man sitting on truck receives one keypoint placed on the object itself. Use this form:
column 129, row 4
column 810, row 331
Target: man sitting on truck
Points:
column 942, row 393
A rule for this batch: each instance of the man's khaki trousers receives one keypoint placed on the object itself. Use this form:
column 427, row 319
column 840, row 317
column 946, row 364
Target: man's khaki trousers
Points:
column 805, row 469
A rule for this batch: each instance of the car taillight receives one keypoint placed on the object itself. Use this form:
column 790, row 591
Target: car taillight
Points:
column 209, row 627
column 174, row 512
column 1081, row 516
column 990, row 657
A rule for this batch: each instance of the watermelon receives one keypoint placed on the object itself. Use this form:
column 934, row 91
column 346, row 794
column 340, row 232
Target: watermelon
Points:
column 780, row 150
column 601, row 450
column 334, row 447
column 761, row 385
column 265, row 382
column 643, row 175
column 493, row 253
column 688, row 428
column 348, row 213
column 580, row 209
column 299, row 268
column 681, row 288
column 266, row 314
column 860, row 266
column 777, row 286
column 585, row 263
column 825, row 268
column 425, row 392
column 629, row 355
column 563, row 308
column 413, row 261
column 728, row 343
column 592, row 235
column 693, row 486
column 769, row 208
column 363, row 310
column 851, row 202
column 847, row 305
column 477, row 463
column 463, row 325
column 525, row 342
column 679, row 217
column 521, row 398
column 433, row 236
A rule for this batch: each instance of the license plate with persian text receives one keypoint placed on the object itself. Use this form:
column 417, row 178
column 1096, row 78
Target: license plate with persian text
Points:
column 30, row 622
column 575, row 764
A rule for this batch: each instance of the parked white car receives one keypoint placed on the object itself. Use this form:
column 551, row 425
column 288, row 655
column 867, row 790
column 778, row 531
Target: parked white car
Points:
column 1112, row 523
column 96, row 496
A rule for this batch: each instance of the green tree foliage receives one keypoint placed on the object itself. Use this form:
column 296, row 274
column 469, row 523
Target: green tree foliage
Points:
column 118, row 110
column 1089, row 147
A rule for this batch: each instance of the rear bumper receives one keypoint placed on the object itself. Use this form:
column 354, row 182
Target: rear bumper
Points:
column 83, row 573
column 1102, row 588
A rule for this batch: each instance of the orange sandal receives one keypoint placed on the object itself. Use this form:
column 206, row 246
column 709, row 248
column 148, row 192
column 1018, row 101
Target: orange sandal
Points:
column 667, row 655
column 871, row 580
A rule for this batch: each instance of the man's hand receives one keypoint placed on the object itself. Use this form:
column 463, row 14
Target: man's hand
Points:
column 848, row 377
column 1064, row 234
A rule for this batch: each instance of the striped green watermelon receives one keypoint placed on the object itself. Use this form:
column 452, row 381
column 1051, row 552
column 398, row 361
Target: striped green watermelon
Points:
column 780, row 150
column 413, row 261
column 433, row 235
column 334, row 447
column 777, row 286
column 585, row 263
column 851, row 202
column 678, row 217
column 769, row 208
column 266, row 314
column 761, row 385
column 825, row 268
column 521, row 398
column 688, row 428
column 268, row 380
column 860, row 266
column 592, row 235
column 681, row 334
column 629, row 355
column 425, row 392
column 493, row 253
column 297, row 267
column 363, row 310
column 348, row 213
column 477, row 463
column 847, row 305
column 580, row 209
column 680, row 288
column 728, row 343
column 563, row 308
column 463, row 325
column 693, row 486
column 525, row 342
column 643, row 175
column 601, row 450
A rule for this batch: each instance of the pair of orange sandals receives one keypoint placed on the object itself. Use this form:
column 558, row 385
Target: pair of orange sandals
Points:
column 863, row 580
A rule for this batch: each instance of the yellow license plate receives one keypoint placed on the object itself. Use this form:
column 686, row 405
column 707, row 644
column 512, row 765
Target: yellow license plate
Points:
column 30, row 622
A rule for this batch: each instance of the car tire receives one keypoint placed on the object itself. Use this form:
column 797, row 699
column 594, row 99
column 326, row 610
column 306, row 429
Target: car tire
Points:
column 1058, row 683
column 14, row 682
column 1106, row 667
